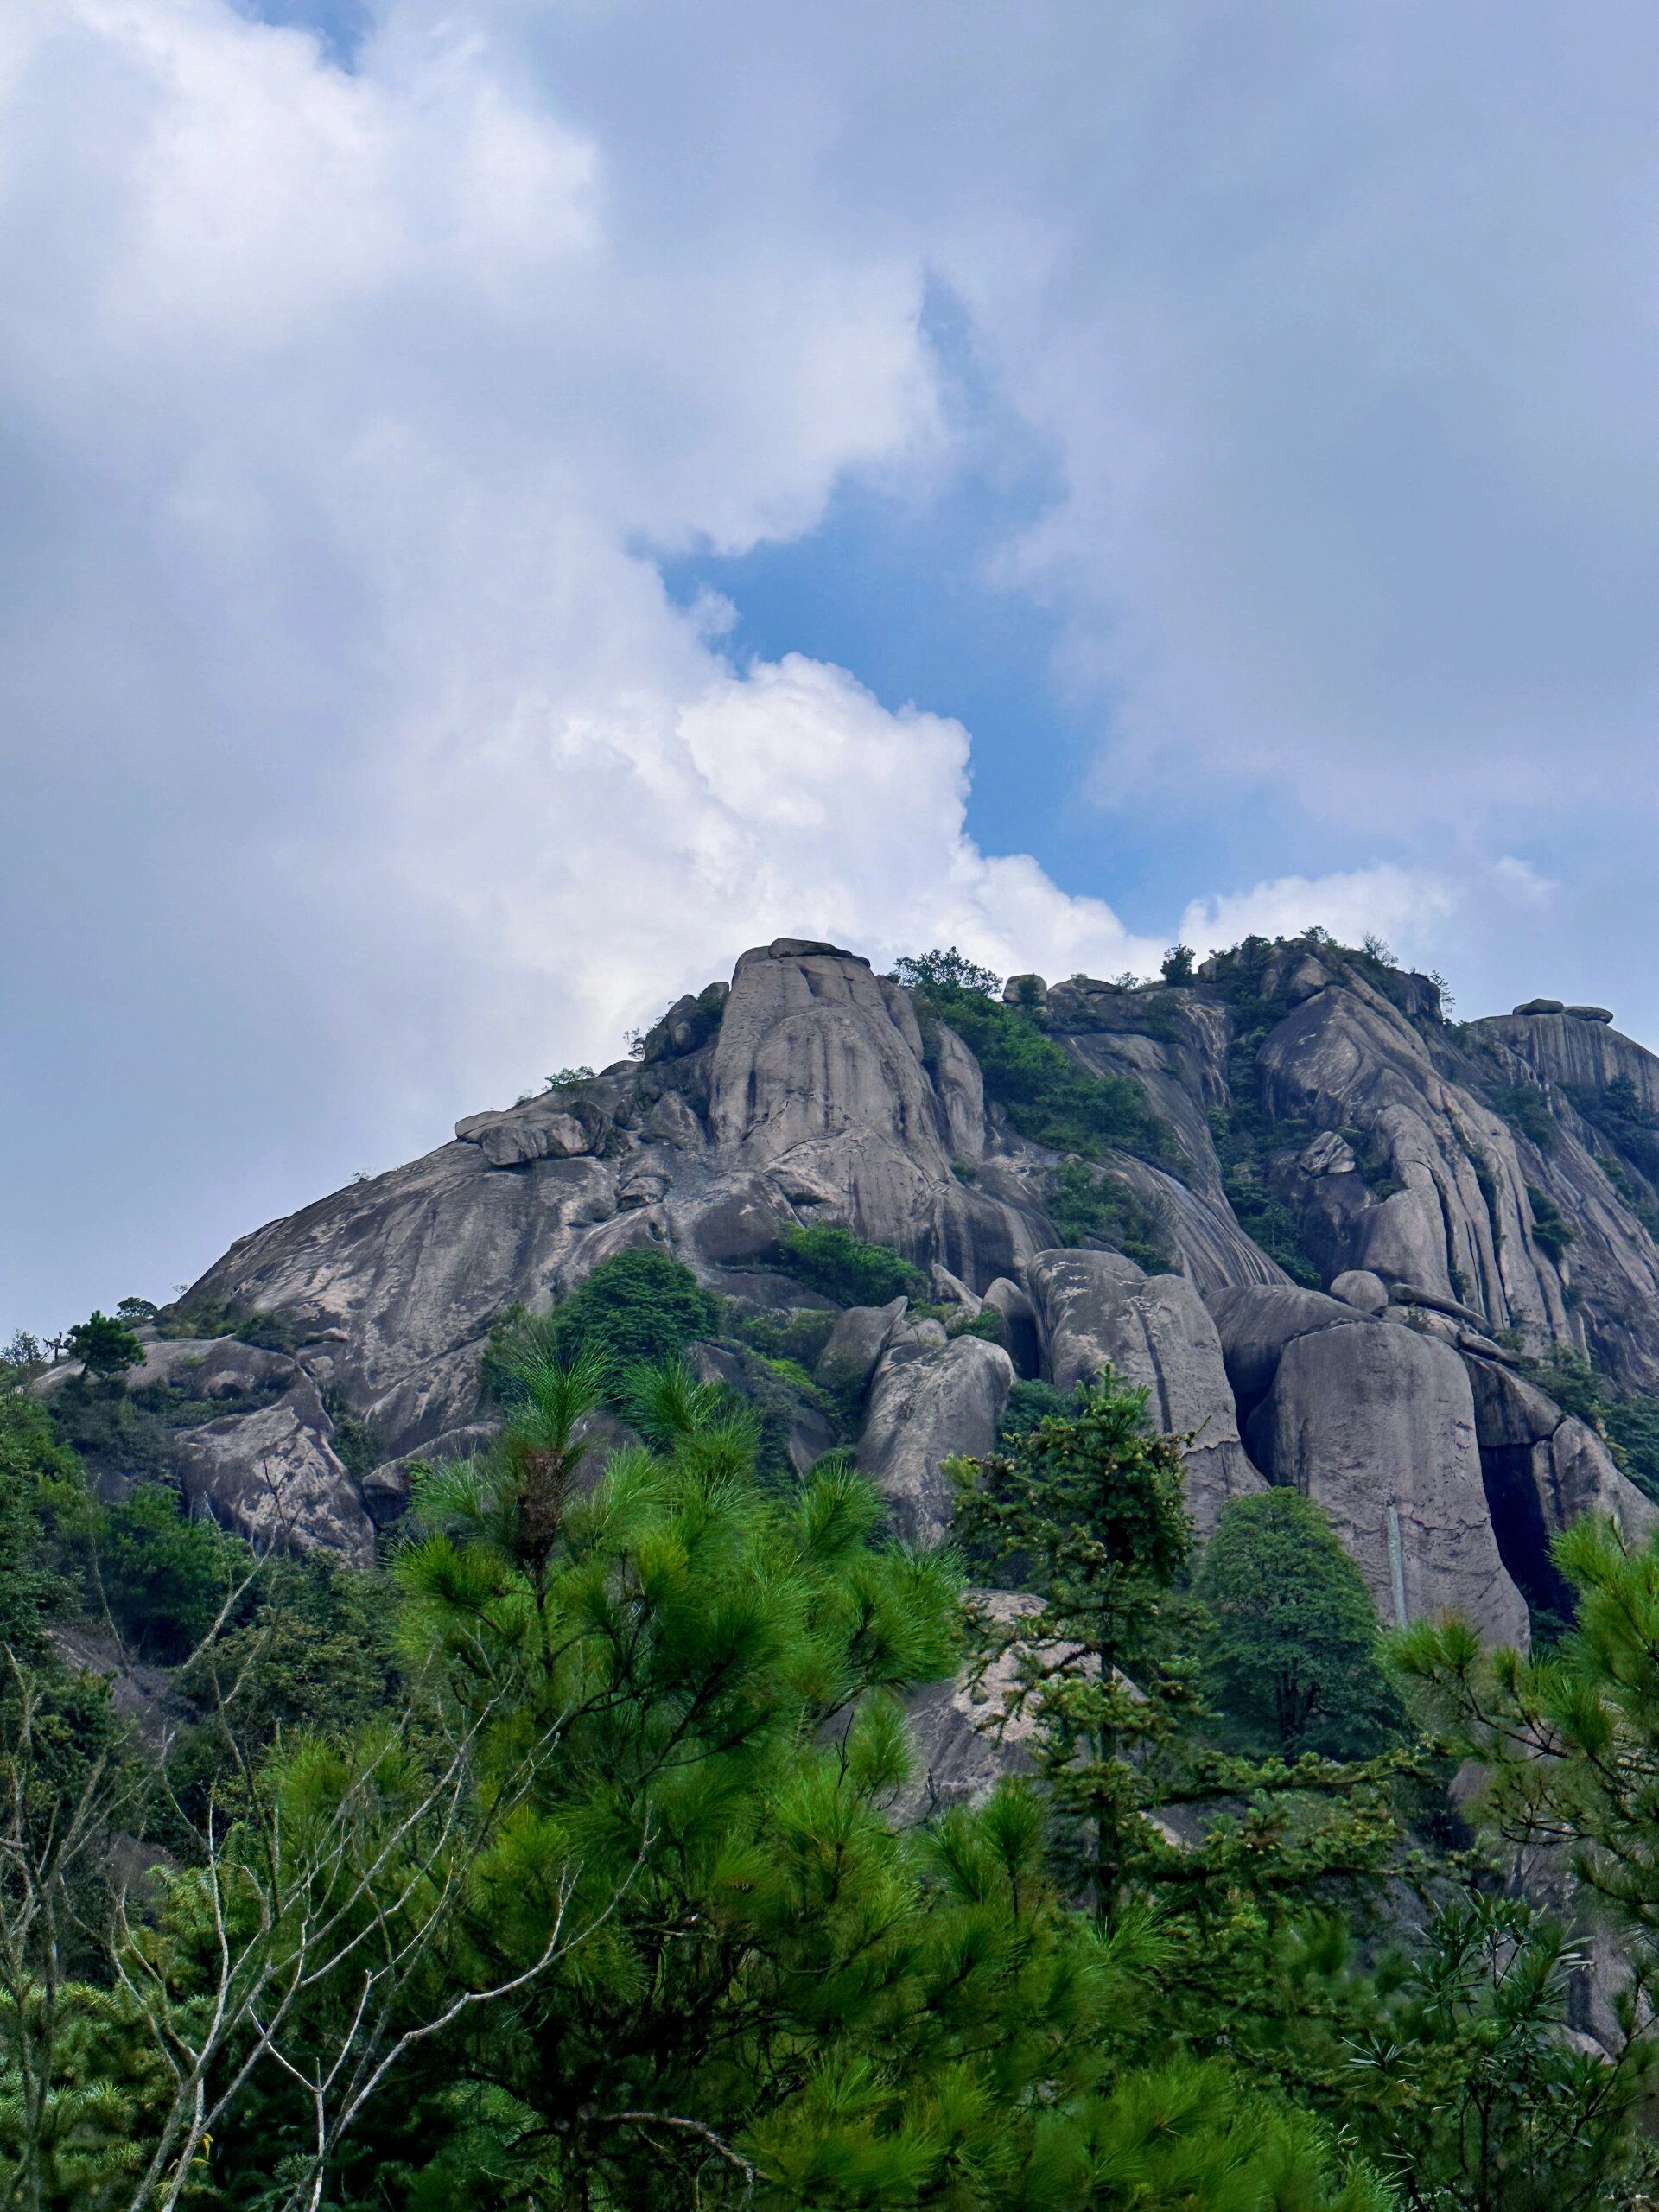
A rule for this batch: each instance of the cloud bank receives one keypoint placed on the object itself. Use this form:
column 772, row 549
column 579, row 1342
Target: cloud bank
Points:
column 358, row 765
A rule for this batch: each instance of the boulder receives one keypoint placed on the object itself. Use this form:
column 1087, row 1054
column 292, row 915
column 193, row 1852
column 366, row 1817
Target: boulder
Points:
column 1025, row 990
column 1543, row 1469
column 1255, row 1322
column 1542, row 1006
column 273, row 1475
column 951, row 1290
column 1071, row 1292
column 1360, row 1288
column 1378, row 1425
column 857, row 1341
column 1153, row 1331
column 914, row 1332
column 928, row 1404
column 1590, row 1013
column 511, row 1142
column 210, row 1367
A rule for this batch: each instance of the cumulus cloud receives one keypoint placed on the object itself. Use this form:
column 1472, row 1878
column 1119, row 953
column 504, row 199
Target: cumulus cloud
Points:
column 358, row 765
column 1404, row 906
column 361, row 765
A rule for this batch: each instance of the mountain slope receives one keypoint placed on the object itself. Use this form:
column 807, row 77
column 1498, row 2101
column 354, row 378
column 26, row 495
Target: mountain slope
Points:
column 1292, row 1119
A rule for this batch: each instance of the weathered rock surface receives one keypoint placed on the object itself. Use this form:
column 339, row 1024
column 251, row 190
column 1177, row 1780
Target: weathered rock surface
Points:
column 1359, row 1288
column 1153, row 1330
column 928, row 1402
column 1378, row 1425
column 274, row 1475
column 965, row 1736
column 857, row 1341
column 1024, row 1342
column 1543, row 1469
column 1072, row 1293
column 1254, row 1323
column 211, row 1367
column 808, row 1093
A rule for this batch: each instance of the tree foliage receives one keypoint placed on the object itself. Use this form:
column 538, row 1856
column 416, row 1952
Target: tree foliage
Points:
column 634, row 1308
column 843, row 1267
column 1050, row 1098
column 1290, row 1652
column 106, row 1347
column 586, row 1860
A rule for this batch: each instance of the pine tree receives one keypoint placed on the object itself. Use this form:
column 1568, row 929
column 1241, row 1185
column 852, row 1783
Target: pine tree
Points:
column 792, row 1999
column 1570, row 1746
column 1086, row 1512
column 1289, row 1652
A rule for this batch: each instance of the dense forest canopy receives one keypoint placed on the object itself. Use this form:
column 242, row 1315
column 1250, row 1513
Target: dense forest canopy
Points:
column 574, row 1854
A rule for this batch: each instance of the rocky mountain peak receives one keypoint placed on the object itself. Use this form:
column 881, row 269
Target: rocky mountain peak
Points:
column 1334, row 1235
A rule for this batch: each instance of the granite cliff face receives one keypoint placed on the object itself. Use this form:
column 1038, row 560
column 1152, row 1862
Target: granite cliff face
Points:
column 1369, row 1224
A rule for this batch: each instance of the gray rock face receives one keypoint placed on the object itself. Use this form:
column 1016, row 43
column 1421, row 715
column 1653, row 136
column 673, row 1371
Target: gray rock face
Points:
column 820, row 1076
column 1072, row 1293
column 1154, row 1332
column 211, row 1367
column 1378, row 1425
column 1255, row 1323
column 1542, row 1470
column 1459, row 1224
column 857, row 1341
column 808, row 1094
column 273, row 1474
column 927, row 1404
column 1020, row 1320
column 965, row 1739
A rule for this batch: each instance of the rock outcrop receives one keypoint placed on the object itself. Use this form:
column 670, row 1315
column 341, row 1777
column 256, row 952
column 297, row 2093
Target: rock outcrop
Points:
column 1099, row 1311
column 1544, row 1469
column 1376, row 1424
column 928, row 1404
column 1338, row 1162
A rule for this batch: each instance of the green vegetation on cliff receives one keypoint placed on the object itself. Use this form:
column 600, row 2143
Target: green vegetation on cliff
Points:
column 578, row 1862
column 1047, row 1096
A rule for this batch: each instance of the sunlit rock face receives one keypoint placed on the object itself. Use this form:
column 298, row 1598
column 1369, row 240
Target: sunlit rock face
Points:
column 1441, row 1195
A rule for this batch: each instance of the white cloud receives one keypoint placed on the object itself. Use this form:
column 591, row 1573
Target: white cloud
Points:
column 358, row 765
column 364, row 766
column 1406, row 907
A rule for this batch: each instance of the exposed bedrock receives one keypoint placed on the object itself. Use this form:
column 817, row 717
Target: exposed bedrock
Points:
column 1376, row 1423
column 1458, row 1220
column 928, row 1402
column 1577, row 1048
column 274, row 1475
column 1254, row 1325
column 1543, row 1469
column 810, row 1093
column 1098, row 1310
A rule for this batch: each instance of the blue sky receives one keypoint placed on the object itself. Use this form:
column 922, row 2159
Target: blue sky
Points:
column 507, row 504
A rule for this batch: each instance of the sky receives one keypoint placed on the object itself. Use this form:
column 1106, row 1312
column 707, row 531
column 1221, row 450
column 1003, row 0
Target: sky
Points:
column 505, row 504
